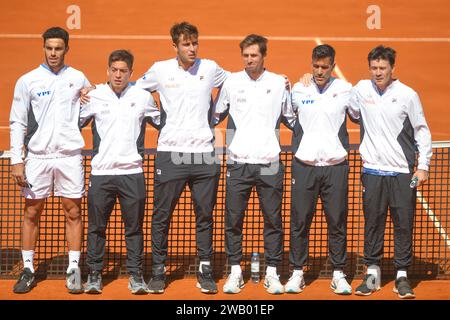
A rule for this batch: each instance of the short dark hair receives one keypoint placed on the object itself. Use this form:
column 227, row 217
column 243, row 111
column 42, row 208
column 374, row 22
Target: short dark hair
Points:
column 323, row 51
column 255, row 39
column 183, row 28
column 121, row 55
column 56, row 33
column 383, row 53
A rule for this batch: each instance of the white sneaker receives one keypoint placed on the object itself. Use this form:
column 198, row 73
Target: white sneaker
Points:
column 339, row 285
column 295, row 284
column 234, row 283
column 73, row 281
column 273, row 285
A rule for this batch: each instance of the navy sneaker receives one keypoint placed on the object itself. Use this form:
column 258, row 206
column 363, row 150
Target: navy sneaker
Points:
column 205, row 280
column 26, row 282
column 157, row 282
column 368, row 286
column 403, row 288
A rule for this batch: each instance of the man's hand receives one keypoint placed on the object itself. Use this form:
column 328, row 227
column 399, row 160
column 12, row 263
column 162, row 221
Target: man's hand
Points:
column 306, row 79
column 84, row 98
column 18, row 174
column 422, row 177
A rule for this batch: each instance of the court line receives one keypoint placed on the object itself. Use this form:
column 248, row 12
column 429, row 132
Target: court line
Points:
column 422, row 200
column 433, row 218
column 230, row 38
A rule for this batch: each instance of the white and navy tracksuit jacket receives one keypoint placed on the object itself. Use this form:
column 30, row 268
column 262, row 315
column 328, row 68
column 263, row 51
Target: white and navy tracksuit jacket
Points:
column 44, row 114
column 119, row 130
column 393, row 127
column 393, row 131
column 186, row 132
column 319, row 167
column 185, row 97
column 256, row 108
column 320, row 134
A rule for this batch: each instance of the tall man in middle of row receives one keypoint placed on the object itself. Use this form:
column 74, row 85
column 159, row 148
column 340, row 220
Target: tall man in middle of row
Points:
column 185, row 152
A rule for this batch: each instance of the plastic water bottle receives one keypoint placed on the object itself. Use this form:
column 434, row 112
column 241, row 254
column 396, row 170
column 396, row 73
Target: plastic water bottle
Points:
column 255, row 267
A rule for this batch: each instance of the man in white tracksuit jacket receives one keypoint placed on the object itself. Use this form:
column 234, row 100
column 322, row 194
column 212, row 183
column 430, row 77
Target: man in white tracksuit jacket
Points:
column 119, row 114
column 320, row 167
column 44, row 124
column 185, row 153
column 257, row 101
column 393, row 130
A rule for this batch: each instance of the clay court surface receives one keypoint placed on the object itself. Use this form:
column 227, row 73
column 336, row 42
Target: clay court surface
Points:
column 418, row 30
column 185, row 289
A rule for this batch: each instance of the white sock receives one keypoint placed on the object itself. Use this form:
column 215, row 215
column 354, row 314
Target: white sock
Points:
column 297, row 273
column 271, row 271
column 337, row 274
column 401, row 273
column 28, row 258
column 203, row 263
column 236, row 269
column 373, row 270
column 74, row 259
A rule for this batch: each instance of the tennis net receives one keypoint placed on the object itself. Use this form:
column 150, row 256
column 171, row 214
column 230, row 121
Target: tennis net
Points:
column 431, row 230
